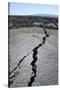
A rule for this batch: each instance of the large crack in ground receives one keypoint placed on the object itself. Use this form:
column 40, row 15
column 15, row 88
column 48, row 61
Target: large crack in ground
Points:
column 35, row 52
column 13, row 74
column 14, row 71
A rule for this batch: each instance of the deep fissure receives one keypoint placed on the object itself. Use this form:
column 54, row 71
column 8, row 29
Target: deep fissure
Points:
column 33, row 63
column 35, row 52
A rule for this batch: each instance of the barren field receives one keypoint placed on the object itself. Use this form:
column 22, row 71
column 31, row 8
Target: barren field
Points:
column 33, row 59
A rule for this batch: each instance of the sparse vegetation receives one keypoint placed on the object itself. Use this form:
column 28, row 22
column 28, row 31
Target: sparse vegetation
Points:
column 32, row 21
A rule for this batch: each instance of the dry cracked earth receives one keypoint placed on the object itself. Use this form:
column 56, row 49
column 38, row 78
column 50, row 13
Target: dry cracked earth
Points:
column 33, row 59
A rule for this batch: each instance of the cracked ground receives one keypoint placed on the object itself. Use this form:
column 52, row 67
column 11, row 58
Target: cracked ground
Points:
column 33, row 59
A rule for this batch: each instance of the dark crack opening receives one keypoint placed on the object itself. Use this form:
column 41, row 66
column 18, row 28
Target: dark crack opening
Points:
column 35, row 52
column 34, row 67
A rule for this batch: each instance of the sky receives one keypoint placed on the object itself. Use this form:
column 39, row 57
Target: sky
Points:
column 31, row 9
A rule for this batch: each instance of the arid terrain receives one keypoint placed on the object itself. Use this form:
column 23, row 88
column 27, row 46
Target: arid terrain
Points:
column 33, row 51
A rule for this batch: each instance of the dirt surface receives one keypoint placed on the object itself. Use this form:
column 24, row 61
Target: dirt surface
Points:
column 33, row 57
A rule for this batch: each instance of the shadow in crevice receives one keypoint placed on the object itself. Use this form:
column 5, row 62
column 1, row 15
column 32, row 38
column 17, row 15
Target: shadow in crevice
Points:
column 35, row 52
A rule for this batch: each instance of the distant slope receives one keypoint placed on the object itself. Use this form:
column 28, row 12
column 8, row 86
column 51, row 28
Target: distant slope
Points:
column 45, row 15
